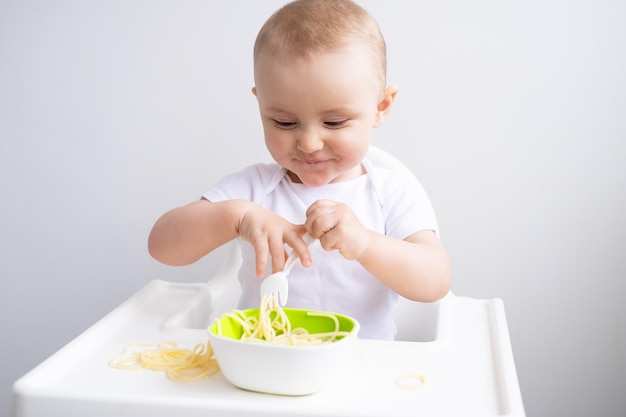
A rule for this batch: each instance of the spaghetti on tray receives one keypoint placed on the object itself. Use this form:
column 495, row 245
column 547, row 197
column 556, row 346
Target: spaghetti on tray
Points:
column 185, row 365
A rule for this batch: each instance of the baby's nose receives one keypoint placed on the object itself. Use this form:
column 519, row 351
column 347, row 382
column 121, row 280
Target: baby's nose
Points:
column 310, row 141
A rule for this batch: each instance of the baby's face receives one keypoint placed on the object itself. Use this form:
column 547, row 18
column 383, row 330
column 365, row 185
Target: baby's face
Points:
column 318, row 113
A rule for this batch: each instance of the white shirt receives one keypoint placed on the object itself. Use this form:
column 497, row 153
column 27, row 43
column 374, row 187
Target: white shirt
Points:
column 383, row 200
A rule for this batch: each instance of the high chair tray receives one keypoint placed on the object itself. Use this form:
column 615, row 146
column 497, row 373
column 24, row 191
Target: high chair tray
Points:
column 468, row 370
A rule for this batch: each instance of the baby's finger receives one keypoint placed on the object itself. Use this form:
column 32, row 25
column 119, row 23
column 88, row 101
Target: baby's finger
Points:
column 301, row 247
column 321, row 217
column 278, row 254
column 320, row 207
column 262, row 254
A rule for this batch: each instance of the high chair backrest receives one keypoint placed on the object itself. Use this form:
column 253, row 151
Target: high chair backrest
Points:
column 415, row 321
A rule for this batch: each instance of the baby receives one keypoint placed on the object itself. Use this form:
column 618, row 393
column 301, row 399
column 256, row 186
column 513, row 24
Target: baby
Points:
column 320, row 82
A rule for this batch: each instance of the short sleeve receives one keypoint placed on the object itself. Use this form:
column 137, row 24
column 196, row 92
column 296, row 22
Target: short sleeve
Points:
column 251, row 183
column 406, row 205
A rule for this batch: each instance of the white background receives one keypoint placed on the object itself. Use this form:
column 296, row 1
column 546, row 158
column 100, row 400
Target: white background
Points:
column 511, row 113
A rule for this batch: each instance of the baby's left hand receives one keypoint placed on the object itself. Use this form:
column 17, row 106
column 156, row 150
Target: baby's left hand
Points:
column 337, row 228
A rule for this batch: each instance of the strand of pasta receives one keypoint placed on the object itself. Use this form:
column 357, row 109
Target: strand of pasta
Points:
column 411, row 381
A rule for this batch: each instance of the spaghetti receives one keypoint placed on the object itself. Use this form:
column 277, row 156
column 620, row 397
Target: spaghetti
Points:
column 412, row 381
column 184, row 365
column 273, row 326
column 179, row 364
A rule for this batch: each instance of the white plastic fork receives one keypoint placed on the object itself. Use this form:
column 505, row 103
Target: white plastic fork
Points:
column 276, row 284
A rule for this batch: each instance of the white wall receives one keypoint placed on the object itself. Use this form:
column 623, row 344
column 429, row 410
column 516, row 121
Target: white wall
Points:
column 512, row 114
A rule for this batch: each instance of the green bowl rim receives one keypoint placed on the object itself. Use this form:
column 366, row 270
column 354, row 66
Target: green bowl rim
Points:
column 353, row 333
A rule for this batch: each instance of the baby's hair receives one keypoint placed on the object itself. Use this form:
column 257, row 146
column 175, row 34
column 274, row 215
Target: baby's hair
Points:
column 305, row 27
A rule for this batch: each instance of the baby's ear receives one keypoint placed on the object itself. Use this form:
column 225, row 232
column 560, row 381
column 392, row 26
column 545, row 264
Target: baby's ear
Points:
column 384, row 106
column 254, row 90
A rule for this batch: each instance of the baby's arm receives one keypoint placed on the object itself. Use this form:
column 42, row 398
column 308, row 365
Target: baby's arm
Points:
column 417, row 267
column 187, row 233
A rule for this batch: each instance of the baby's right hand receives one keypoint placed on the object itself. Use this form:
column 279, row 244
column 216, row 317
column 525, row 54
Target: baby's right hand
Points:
column 268, row 232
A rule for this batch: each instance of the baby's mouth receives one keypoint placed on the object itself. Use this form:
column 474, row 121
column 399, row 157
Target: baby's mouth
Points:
column 313, row 161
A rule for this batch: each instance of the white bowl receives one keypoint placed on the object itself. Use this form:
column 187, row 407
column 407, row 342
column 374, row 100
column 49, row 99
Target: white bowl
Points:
column 281, row 369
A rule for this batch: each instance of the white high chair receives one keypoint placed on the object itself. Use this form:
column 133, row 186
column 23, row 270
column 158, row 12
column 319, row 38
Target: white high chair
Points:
column 458, row 347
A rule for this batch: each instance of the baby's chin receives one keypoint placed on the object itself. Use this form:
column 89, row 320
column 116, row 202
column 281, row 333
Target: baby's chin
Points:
column 310, row 179
column 319, row 180
column 305, row 179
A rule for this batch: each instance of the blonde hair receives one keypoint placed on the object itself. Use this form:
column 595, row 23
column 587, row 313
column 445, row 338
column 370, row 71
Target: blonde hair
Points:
column 305, row 27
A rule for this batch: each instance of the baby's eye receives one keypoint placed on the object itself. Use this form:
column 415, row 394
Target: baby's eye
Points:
column 334, row 124
column 284, row 124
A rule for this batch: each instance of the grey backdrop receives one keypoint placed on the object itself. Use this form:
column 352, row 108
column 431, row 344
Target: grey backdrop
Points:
column 510, row 112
